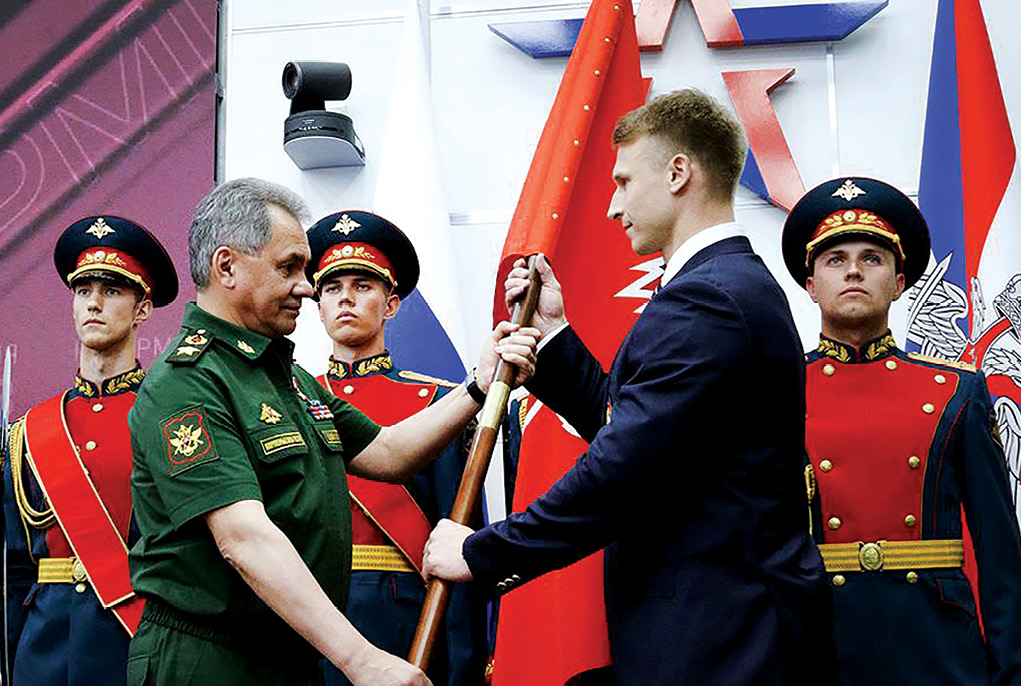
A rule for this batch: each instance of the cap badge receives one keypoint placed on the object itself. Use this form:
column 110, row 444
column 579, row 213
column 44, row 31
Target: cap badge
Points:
column 345, row 225
column 244, row 347
column 102, row 257
column 99, row 229
column 268, row 414
column 348, row 252
column 848, row 191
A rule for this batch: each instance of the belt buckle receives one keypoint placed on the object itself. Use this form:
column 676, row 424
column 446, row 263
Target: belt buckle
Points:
column 870, row 557
column 77, row 571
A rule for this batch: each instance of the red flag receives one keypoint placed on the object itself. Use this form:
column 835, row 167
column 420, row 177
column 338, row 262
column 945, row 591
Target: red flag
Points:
column 555, row 627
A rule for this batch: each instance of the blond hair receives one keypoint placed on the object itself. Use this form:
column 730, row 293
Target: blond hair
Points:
column 689, row 121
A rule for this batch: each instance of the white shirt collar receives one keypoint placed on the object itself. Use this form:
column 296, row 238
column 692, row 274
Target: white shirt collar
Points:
column 702, row 239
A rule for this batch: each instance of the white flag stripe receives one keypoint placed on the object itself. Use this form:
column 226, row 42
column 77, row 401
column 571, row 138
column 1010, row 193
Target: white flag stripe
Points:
column 409, row 191
column 1001, row 255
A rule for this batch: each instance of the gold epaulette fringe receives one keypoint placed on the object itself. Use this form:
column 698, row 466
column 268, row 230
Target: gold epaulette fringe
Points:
column 30, row 517
column 523, row 412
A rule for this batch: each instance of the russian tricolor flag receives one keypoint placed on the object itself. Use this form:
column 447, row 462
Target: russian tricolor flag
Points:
column 428, row 334
column 968, row 307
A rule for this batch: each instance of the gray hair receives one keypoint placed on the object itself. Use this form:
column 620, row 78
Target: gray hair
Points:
column 235, row 214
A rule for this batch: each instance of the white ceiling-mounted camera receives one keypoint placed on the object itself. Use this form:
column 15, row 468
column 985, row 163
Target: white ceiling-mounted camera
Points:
column 314, row 137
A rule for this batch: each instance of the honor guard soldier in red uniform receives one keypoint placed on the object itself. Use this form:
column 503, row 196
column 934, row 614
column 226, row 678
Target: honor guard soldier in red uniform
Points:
column 362, row 266
column 69, row 607
column 897, row 444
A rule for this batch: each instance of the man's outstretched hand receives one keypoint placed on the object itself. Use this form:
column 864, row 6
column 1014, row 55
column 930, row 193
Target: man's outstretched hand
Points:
column 516, row 345
column 443, row 558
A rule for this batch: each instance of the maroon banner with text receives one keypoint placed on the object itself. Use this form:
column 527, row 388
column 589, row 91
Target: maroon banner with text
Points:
column 105, row 108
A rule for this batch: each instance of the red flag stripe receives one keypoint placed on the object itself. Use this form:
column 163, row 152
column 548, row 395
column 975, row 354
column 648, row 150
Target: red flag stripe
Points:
column 987, row 146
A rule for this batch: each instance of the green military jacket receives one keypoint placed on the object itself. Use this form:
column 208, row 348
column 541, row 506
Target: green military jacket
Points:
column 225, row 415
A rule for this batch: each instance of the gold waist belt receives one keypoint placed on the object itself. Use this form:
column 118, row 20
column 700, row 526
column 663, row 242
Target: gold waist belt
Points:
column 61, row 570
column 872, row 557
column 384, row 558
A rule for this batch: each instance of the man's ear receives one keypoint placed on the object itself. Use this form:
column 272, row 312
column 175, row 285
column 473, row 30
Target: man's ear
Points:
column 223, row 267
column 899, row 290
column 679, row 168
column 393, row 303
column 144, row 309
column 810, row 287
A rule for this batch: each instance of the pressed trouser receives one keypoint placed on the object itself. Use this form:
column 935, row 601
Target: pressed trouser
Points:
column 168, row 650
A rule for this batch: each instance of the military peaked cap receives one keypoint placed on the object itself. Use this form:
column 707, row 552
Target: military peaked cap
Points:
column 114, row 247
column 362, row 241
column 850, row 208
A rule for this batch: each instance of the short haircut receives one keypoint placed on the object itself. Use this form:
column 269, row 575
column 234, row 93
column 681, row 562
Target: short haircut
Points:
column 689, row 121
column 236, row 214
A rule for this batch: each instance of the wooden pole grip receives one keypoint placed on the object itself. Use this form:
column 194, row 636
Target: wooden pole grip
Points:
column 468, row 493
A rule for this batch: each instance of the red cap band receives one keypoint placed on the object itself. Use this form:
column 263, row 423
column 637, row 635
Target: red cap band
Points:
column 361, row 256
column 100, row 259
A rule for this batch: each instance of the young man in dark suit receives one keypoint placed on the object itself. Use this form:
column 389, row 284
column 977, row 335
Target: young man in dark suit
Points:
column 693, row 479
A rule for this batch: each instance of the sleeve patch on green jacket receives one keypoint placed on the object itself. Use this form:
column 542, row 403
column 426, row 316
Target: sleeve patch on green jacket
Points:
column 187, row 440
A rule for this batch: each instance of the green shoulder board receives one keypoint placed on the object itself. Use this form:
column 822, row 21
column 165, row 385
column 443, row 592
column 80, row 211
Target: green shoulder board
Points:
column 190, row 347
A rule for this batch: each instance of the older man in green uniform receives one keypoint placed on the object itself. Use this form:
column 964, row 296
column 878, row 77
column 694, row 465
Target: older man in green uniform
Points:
column 240, row 463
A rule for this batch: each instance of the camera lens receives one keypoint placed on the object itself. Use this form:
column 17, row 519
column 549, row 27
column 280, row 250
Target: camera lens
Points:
column 291, row 80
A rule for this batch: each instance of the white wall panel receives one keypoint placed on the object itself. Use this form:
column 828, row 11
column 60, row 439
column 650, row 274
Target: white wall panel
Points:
column 491, row 102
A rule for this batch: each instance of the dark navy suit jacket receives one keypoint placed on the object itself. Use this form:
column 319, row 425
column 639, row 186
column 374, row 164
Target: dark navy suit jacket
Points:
column 693, row 481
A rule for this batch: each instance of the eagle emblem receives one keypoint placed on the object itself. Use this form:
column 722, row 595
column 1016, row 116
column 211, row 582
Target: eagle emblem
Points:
column 268, row 415
column 345, row 225
column 849, row 191
column 186, row 439
column 99, row 229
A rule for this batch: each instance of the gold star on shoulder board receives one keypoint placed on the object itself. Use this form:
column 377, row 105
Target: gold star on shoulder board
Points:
column 99, row 229
column 187, row 350
column 268, row 414
column 245, row 348
column 848, row 191
column 345, row 225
